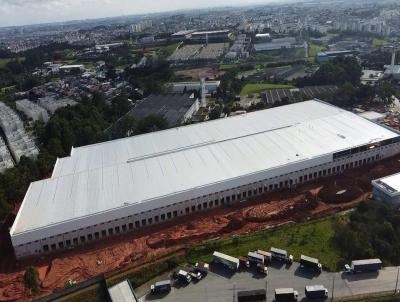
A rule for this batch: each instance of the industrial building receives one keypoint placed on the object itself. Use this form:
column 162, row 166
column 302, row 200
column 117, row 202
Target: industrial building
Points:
column 32, row 110
column 52, row 104
column 19, row 142
column 180, row 87
column 326, row 56
column 175, row 108
column 387, row 188
column 6, row 160
column 120, row 186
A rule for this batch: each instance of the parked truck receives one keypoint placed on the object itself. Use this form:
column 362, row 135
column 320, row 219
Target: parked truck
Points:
column 281, row 255
column 262, row 268
column 255, row 258
column 202, row 267
column 316, row 292
column 310, row 263
column 184, row 276
column 226, row 260
column 363, row 266
column 267, row 255
column 286, row 294
column 161, row 287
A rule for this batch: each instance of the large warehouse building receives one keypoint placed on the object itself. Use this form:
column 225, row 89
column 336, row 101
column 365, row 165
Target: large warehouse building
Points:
column 114, row 187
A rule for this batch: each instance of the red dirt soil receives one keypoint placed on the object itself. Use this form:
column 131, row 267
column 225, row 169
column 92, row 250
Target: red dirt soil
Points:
column 198, row 73
column 311, row 200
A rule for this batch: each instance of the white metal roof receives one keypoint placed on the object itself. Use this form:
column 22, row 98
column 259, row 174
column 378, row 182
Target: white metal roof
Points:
column 122, row 292
column 391, row 184
column 136, row 174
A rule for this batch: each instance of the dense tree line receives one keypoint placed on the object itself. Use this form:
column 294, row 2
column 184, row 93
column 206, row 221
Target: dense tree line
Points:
column 373, row 231
column 335, row 72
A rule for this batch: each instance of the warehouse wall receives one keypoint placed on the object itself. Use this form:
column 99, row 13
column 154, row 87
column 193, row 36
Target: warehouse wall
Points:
column 128, row 223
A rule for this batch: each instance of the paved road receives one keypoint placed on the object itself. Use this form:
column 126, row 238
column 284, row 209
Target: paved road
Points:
column 219, row 286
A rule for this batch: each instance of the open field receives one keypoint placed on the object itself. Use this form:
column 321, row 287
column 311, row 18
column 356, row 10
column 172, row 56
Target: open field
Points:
column 259, row 87
column 309, row 238
column 379, row 42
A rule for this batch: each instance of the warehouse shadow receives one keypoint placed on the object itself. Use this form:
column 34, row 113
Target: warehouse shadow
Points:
column 303, row 273
column 221, row 270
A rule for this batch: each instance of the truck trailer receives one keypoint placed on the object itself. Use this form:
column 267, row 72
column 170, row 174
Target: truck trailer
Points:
column 286, row 294
column 267, row 255
column 161, row 287
column 255, row 258
column 226, row 260
column 281, row 255
column 310, row 263
column 363, row 266
column 316, row 292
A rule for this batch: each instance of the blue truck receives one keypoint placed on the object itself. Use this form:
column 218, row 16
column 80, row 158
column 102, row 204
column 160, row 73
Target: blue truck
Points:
column 363, row 266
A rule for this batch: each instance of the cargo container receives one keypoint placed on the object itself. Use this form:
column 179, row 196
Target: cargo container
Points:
column 161, row 287
column 286, row 294
column 310, row 263
column 267, row 255
column 363, row 266
column 226, row 260
column 316, row 292
column 281, row 255
column 253, row 257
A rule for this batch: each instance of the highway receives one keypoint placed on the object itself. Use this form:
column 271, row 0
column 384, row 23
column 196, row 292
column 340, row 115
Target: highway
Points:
column 220, row 286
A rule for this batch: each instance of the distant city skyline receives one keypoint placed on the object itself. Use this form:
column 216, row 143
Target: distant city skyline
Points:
column 26, row 12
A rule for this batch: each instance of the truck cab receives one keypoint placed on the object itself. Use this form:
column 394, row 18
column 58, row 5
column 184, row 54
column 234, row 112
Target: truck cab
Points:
column 202, row 267
column 196, row 275
column 262, row 268
column 184, row 276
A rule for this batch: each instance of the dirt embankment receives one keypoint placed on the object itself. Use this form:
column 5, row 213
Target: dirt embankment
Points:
column 314, row 199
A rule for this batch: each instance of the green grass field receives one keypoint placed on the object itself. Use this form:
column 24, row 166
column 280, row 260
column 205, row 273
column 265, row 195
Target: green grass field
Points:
column 310, row 238
column 259, row 87
column 3, row 62
column 379, row 42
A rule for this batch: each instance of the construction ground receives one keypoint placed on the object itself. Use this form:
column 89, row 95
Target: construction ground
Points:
column 312, row 200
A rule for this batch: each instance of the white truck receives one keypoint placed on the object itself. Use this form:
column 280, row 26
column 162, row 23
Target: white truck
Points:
column 184, row 276
column 281, row 255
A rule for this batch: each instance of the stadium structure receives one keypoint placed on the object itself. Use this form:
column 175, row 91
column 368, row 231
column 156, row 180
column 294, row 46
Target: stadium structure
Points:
column 123, row 185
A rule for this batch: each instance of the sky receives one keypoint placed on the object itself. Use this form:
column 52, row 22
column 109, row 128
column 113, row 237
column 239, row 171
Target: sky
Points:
column 22, row 12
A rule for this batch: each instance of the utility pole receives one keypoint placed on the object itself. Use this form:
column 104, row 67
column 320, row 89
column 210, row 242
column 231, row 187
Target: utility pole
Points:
column 266, row 289
column 397, row 279
column 234, row 292
column 333, row 285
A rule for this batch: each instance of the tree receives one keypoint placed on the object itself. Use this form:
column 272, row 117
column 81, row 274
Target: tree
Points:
column 385, row 92
column 215, row 113
column 31, row 279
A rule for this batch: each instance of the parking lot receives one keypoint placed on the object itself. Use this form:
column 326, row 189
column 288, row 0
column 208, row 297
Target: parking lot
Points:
column 221, row 286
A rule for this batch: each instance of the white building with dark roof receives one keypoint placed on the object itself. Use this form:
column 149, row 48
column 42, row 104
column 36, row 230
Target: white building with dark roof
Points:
column 118, row 186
